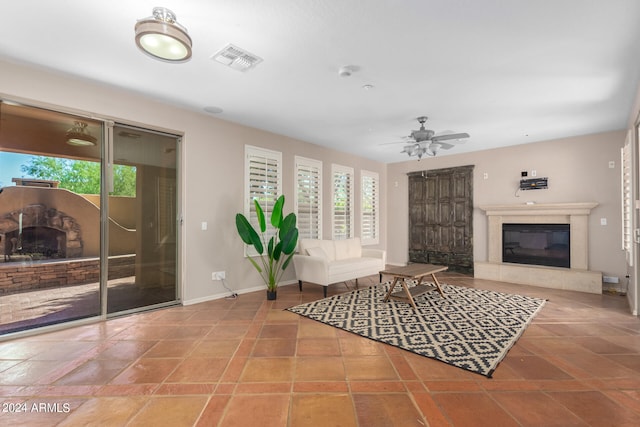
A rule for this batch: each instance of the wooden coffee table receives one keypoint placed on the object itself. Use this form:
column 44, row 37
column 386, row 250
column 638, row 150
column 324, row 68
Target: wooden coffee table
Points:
column 413, row 272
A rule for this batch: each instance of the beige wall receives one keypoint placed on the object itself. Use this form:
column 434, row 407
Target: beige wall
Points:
column 578, row 171
column 212, row 169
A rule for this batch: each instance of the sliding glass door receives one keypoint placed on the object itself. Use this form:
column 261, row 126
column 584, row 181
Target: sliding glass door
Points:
column 142, row 219
column 87, row 218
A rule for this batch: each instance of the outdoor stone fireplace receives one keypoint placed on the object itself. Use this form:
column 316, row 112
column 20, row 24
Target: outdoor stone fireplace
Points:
column 576, row 215
column 40, row 233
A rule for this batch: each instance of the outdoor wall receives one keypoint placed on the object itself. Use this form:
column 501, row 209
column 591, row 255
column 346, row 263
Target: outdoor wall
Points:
column 212, row 156
column 121, row 209
column 85, row 213
column 578, row 171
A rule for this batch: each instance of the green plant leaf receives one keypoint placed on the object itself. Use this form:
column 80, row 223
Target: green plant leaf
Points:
column 255, row 264
column 260, row 214
column 248, row 234
column 276, row 214
column 290, row 241
column 286, row 262
column 288, row 223
column 270, row 247
column 277, row 250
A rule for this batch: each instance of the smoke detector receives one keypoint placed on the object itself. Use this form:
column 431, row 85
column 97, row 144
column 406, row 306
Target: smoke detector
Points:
column 236, row 58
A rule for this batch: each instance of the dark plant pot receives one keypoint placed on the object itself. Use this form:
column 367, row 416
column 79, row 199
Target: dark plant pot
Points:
column 271, row 295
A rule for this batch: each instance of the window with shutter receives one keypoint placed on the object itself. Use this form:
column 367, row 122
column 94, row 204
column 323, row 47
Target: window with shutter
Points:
column 308, row 197
column 263, row 182
column 627, row 199
column 342, row 202
column 369, row 232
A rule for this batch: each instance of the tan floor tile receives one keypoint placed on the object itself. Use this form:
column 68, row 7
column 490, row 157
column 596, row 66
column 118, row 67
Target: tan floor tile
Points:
column 279, row 331
column 320, row 369
column 554, row 414
column 318, row 347
column 199, row 369
column 274, row 347
column 214, row 411
column 147, row 371
column 323, row 410
column 353, row 345
column 170, row 412
column 105, row 411
column 312, row 329
column 125, row 350
column 369, row 368
column 29, row 372
column 98, row 372
column 387, row 409
column 268, row 369
column 473, row 409
column 250, row 410
column 215, row 348
column 595, row 409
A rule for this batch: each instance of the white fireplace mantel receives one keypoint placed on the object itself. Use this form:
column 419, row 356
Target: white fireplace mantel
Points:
column 540, row 209
column 574, row 214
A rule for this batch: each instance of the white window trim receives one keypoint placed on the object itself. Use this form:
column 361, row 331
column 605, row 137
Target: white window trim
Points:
column 249, row 152
column 303, row 162
column 343, row 170
column 364, row 236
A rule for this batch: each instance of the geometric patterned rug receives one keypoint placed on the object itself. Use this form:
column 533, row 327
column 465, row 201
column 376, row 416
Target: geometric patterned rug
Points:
column 472, row 329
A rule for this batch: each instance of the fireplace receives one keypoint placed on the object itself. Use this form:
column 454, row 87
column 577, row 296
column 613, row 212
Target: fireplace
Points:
column 571, row 216
column 537, row 244
column 38, row 242
column 40, row 233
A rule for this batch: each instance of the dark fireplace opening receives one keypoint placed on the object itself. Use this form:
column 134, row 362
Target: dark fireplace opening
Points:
column 37, row 242
column 537, row 244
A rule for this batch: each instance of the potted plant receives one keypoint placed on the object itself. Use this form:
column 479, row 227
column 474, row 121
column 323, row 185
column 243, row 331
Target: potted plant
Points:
column 279, row 249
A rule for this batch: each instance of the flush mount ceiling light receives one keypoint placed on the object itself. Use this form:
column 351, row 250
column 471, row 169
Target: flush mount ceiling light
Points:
column 78, row 135
column 161, row 37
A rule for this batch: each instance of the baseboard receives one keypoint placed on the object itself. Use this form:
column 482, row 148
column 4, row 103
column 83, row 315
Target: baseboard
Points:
column 238, row 292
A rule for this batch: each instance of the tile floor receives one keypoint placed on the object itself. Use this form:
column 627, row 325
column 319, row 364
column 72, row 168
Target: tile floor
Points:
column 247, row 362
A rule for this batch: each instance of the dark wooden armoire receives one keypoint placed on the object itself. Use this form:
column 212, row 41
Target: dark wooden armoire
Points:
column 441, row 217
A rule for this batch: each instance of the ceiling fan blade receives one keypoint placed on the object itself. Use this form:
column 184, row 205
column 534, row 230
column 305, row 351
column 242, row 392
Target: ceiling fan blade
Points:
column 450, row 136
column 445, row 146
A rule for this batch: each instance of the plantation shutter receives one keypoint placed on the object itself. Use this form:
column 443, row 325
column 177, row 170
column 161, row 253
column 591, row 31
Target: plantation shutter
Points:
column 342, row 195
column 627, row 200
column 308, row 203
column 369, row 232
column 263, row 177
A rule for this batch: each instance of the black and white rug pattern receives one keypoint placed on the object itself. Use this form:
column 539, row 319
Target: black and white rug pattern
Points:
column 472, row 329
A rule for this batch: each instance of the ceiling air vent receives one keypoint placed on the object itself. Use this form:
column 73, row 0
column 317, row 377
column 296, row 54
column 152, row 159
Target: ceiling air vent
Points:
column 236, row 58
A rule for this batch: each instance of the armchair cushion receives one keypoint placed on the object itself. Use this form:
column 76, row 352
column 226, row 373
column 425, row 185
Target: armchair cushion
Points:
column 317, row 252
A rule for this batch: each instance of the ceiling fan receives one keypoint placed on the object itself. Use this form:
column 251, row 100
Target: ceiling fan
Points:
column 426, row 142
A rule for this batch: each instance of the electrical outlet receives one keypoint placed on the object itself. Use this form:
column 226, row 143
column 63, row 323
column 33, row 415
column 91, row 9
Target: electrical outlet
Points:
column 218, row 275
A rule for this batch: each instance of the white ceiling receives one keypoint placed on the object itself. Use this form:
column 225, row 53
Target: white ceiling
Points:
column 506, row 72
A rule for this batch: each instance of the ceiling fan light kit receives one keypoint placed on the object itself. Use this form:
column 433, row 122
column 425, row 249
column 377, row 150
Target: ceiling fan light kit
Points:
column 161, row 37
column 79, row 136
column 428, row 143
